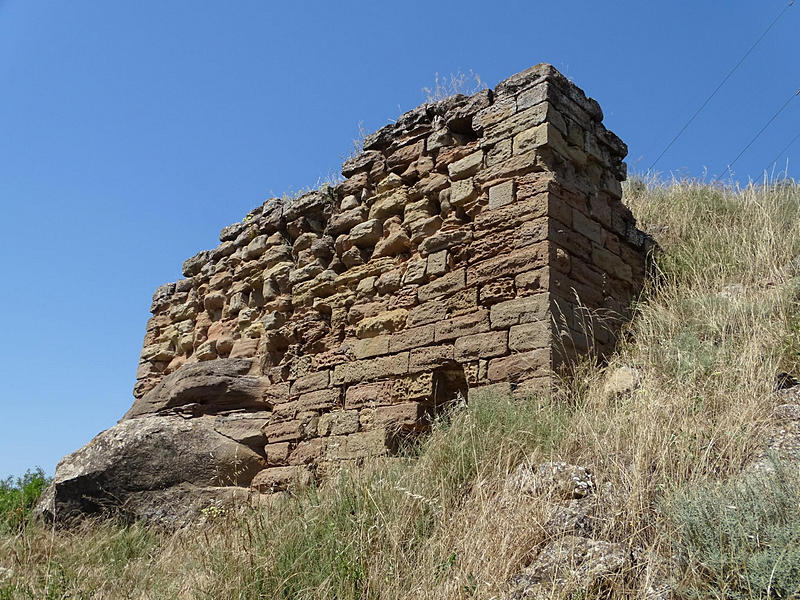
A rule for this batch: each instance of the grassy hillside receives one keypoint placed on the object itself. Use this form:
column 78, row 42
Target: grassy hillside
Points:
column 710, row 334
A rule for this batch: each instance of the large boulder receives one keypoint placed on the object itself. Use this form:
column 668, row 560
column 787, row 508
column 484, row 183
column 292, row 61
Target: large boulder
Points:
column 213, row 386
column 164, row 461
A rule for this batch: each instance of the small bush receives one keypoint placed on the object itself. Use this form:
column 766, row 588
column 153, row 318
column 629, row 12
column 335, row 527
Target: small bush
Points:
column 740, row 538
column 18, row 496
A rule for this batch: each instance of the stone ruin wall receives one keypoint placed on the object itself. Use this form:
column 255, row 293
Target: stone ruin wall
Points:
column 465, row 249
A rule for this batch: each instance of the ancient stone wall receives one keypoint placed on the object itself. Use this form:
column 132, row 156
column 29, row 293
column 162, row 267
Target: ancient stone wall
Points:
column 476, row 241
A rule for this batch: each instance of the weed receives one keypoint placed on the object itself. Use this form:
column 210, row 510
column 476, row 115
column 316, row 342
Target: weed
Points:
column 456, row 83
column 739, row 538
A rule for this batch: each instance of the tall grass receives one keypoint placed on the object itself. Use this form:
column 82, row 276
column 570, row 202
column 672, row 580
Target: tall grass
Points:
column 708, row 336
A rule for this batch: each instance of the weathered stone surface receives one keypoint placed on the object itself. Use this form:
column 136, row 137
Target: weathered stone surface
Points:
column 520, row 310
column 222, row 384
column 555, row 480
column 122, row 467
column 278, row 479
column 362, row 370
column 481, row 345
column 501, row 194
column 572, row 564
column 244, row 428
column 622, row 380
column 520, row 366
column 192, row 266
column 469, row 324
column 386, row 322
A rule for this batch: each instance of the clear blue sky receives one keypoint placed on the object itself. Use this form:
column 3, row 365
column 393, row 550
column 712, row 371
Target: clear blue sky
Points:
column 132, row 132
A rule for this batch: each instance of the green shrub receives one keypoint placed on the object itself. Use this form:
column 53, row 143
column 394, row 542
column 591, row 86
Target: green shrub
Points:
column 740, row 538
column 19, row 495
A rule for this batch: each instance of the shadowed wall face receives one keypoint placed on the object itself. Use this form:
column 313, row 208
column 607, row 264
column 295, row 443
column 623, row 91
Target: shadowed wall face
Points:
column 478, row 241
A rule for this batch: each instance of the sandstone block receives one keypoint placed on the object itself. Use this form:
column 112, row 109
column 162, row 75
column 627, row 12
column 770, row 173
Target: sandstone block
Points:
column 277, row 479
column 244, row 348
column 158, row 352
column 367, row 233
column 587, row 227
column 345, row 221
column 421, row 209
column 520, row 310
column 319, row 400
column 192, row 266
column 466, row 167
column 499, row 153
column 308, row 452
column 284, row 431
column 340, row 422
column 364, row 370
column 536, row 280
column 511, row 215
column 277, row 453
column 369, row 347
column 411, row 338
column 463, row 191
column 393, row 244
column 501, row 194
column 497, row 291
column 312, row 382
column 481, row 345
column 214, row 301
column 409, row 415
column 431, row 357
column 477, row 322
column 256, row 248
column 529, row 336
column 611, row 263
column 386, row 322
column 524, row 259
column 415, row 272
column 357, row 445
column 521, row 366
column 425, row 313
column 391, row 203
column 375, row 268
column 437, row 263
column 401, row 157
column 445, row 285
column 530, row 118
column 442, row 240
column 389, row 391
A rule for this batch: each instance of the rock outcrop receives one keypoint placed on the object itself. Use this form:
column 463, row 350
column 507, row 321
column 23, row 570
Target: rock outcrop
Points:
column 472, row 245
column 153, row 467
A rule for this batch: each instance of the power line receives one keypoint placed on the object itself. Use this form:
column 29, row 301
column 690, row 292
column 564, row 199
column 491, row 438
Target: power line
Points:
column 750, row 143
column 789, row 145
column 714, row 93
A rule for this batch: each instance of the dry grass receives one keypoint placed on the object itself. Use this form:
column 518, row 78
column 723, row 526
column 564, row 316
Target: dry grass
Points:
column 435, row 524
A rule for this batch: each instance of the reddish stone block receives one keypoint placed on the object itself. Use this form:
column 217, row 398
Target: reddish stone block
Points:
column 508, row 264
column 445, row 285
column 481, row 345
column 432, row 357
column 411, row 338
column 521, row 366
column 374, row 368
column 520, row 310
column 449, row 329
